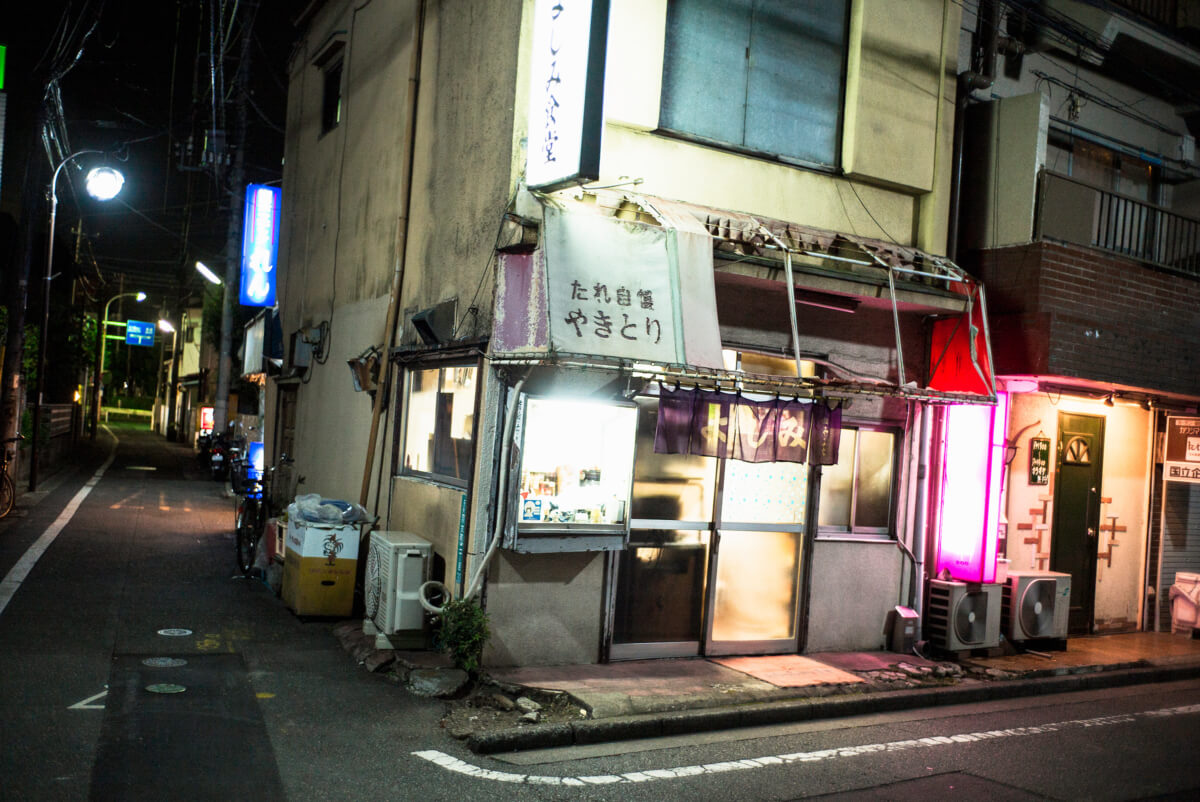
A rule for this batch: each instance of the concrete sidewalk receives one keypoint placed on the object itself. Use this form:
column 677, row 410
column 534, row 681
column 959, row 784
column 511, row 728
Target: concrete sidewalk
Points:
column 655, row 698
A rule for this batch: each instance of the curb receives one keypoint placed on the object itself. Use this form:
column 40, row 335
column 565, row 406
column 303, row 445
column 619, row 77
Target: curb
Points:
column 542, row 736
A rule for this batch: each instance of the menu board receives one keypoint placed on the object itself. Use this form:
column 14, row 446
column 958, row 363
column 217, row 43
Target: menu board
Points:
column 1039, row 460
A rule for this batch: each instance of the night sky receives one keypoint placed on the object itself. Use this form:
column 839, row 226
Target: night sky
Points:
column 139, row 88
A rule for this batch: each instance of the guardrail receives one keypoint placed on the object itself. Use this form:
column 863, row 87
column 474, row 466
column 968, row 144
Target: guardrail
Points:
column 1079, row 213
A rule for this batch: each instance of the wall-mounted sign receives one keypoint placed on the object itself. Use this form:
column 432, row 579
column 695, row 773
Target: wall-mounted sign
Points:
column 139, row 332
column 1181, row 460
column 566, row 92
column 1039, row 460
column 260, row 245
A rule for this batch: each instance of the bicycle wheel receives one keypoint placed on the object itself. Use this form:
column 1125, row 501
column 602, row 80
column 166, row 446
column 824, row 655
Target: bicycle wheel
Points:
column 8, row 494
column 247, row 535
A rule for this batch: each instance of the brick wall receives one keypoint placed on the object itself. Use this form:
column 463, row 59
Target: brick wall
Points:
column 1071, row 311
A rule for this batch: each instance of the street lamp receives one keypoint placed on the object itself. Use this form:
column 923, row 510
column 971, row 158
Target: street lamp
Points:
column 165, row 327
column 205, row 271
column 103, row 183
column 101, row 334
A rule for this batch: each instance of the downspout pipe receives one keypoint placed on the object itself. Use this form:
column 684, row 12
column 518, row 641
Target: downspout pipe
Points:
column 986, row 42
column 921, row 520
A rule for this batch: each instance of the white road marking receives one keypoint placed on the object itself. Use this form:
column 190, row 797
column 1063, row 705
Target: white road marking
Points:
column 458, row 766
column 13, row 579
column 86, row 704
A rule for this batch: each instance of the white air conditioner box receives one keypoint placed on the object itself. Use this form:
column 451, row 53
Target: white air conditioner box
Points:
column 963, row 615
column 398, row 564
column 1036, row 604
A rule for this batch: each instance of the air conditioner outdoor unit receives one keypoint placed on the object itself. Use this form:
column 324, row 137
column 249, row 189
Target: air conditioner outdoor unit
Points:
column 962, row 616
column 397, row 565
column 1036, row 605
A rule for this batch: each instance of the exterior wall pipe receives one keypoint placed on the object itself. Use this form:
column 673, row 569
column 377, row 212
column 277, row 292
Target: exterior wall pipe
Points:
column 389, row 331
column 921, row 519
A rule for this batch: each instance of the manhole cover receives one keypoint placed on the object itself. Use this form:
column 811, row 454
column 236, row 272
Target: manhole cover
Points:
column 165, row 687
column 175, row 632
column 164, row 662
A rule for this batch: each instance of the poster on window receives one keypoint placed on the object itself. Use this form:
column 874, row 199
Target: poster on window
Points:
column 1181, row 458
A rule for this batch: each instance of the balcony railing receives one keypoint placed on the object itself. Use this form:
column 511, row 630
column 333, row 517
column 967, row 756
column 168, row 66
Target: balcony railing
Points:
column 1079, row 213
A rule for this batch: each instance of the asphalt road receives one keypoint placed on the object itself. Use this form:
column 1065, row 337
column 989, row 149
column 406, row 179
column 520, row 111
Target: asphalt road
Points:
column 270, row 707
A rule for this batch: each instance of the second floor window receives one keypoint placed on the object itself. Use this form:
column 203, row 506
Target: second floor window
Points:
column 766, row 76
column 331, row 97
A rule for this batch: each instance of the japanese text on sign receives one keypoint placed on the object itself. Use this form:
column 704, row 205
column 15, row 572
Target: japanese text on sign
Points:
column 1181, row 457
column 1039, row 461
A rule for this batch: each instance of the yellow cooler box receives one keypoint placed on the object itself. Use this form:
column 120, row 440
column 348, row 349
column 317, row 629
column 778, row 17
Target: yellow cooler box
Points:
column 319, row 566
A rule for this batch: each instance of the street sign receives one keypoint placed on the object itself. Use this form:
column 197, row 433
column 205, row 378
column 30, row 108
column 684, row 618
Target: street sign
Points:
column 139, row 332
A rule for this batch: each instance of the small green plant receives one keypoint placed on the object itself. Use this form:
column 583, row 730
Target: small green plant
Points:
column 462, row 632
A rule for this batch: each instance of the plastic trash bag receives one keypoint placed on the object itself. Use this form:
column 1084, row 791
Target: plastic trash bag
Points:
column 315, row 509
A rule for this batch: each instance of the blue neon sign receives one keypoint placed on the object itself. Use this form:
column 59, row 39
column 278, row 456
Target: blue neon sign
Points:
column 260, row 245
column 139, row 332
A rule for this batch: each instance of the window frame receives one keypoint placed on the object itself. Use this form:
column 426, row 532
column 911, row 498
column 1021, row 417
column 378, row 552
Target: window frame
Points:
column 331, row 102
column 852, row 532
column 434, row 477
column 833, row 167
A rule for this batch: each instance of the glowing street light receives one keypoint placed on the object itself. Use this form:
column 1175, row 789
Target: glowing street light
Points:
column 103, row 183
column 204, row 270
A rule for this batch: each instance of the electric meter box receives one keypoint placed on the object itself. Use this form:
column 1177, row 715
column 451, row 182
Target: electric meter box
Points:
column 904, row 630
column 319, row 566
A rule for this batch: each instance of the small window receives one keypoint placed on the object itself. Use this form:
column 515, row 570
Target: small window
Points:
column 439, row 423
column 766, row 76
column 331, row 98
column 857, row 492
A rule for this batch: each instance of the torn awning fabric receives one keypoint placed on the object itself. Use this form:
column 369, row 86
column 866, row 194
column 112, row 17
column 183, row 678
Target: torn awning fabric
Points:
column 728, row 425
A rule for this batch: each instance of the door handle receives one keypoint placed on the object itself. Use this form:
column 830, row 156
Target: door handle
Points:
column 1091, row 532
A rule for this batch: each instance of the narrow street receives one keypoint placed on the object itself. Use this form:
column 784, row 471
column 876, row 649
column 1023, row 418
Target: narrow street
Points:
column 273, row 707
column 268, row 706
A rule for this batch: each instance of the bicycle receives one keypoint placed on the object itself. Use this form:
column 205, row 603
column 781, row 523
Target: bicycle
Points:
column 8, row 489
column 257, row 502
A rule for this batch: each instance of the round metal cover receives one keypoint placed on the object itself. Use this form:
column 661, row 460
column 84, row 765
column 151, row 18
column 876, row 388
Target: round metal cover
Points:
column 165, row 687
column 164, row 662
column 175, row 632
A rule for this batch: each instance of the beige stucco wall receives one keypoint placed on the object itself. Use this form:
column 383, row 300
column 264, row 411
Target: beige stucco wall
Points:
column 854, row 586
column 333, row 422
column 895, row 130
column 1125, row 481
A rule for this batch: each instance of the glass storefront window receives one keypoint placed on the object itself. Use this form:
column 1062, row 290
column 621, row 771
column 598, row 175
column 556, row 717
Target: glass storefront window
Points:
column 755, row 586
column 764, row 492
column 439, row 422
column 661, row 587
column 856, row 494
column 576, row 463
column 673, row 487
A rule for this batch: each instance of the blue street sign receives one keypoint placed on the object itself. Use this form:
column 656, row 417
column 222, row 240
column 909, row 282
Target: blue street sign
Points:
column 139, row 332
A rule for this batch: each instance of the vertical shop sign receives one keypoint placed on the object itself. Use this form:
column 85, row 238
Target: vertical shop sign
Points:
column 566, row 92
column 1181, row 460
column 459, row 570
column 260, row 245
column 1039, row 460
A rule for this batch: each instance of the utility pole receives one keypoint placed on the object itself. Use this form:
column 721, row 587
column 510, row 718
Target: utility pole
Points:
column 237, row 193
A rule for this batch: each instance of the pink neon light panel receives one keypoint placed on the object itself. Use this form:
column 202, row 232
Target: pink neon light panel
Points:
column 972, row 471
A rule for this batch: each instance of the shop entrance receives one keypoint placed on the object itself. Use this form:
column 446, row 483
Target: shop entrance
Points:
column 714, row 559
column 1075, row 533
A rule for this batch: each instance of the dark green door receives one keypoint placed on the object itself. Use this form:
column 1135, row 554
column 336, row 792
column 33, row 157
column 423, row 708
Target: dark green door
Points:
column 1073, row 540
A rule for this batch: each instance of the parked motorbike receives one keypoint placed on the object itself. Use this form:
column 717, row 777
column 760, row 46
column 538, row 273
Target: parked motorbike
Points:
column 221, row 453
